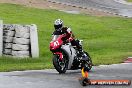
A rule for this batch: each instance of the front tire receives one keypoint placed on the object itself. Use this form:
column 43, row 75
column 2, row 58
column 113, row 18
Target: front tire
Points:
column 60, row 66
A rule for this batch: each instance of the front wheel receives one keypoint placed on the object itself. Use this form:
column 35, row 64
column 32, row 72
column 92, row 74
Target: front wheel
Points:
column 59, row 65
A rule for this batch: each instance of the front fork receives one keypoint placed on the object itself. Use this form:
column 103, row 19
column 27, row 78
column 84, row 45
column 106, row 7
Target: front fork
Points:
column 60, row 55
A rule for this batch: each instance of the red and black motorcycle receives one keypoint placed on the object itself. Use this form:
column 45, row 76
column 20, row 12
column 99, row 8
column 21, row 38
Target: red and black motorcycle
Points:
column 65, row 56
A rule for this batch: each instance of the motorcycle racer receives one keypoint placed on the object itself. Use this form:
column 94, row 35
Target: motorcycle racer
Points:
column 60, row 29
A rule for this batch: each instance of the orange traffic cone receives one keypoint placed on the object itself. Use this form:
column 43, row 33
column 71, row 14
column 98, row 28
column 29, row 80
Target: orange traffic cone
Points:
column 84, row 79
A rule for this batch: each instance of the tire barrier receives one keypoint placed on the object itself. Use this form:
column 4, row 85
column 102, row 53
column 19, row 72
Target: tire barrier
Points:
column 19, row 40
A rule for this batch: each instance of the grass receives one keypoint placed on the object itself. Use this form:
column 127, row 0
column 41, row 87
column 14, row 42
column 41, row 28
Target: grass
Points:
column 129, row 0
column 107, row 39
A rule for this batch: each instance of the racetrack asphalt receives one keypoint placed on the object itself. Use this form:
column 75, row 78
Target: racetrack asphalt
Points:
column 50, row 78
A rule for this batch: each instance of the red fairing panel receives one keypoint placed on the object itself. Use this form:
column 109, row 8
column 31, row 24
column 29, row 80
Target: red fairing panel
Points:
column 57, row 43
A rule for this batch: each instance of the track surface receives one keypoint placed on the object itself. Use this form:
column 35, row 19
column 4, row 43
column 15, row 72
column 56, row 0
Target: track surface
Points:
column 44, row 4
column 105, row 5
column 51, row 79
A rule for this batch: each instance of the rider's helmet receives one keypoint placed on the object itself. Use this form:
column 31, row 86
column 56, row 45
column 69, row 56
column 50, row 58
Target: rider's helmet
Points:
column 58, row 24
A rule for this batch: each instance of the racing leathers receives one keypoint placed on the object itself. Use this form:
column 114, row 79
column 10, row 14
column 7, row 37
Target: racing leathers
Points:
column 68, row 37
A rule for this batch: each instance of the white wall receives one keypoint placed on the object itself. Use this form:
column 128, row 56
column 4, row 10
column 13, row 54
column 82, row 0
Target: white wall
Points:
column 34, row 41
column 1, row 37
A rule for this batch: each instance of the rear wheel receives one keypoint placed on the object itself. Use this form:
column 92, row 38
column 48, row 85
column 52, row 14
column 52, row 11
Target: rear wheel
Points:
column 87, row 64
column 59, row 65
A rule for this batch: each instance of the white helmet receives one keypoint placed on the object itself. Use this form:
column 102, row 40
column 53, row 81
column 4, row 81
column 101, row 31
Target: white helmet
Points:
column 58, row 24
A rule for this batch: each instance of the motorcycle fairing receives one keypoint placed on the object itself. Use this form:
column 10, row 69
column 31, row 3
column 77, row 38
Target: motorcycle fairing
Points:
column 71, row 53
column 55, row 44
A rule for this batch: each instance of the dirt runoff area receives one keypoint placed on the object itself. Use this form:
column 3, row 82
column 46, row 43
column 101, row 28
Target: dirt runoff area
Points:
column 43, row 4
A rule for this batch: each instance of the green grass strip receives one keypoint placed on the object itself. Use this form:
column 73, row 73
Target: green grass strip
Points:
column 107, row 39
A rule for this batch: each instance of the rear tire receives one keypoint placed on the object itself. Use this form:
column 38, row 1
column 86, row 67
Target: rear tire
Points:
column 88, row 63
column 57, row 62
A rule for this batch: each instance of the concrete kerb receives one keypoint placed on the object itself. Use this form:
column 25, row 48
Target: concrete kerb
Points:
column 81, row 7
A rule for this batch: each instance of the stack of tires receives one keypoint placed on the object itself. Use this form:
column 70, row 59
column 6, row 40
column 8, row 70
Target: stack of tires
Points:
column 8, row 35
column 16, row 40
column 21, row 41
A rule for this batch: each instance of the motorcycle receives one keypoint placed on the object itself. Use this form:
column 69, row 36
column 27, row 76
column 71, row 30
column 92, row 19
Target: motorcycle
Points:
column 66, row 56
